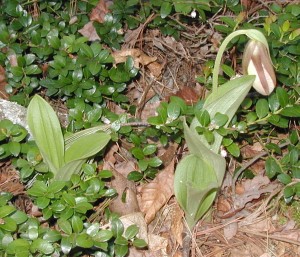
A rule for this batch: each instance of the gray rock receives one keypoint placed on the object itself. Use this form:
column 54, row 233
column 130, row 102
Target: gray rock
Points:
column 13, row 112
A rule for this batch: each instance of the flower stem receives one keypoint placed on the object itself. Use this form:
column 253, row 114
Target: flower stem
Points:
column 219, row 57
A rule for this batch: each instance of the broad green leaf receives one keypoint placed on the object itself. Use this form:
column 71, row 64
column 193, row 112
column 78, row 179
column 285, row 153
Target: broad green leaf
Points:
column 42, row 202
column 93, row 229
column 77, row 224
column 139, row 243
column 120, row 240
column 8, row 224
column 84, row 241
column 273, row 102
column 220, row 119
column 65, row 172
column 195, row 187
column 149, row 149
column 18, row 245
column 291, row 111
column 135, row 176
column 131, row 231
column 86, row 146
column 65, row 226
column 119, row 75
column 165, row 9
column 56, row 186
column 121, row 250
column 234, row 150
column 66, row 244
column 282, row 96
column 104, row 235
column 6, row 210
column 74, row 137
column 45, row 128
column 262, row 108
column 19, row 217
column 154, row 162
column 94, row 67
column 87, row 50
column 226, row 100
column 173, row 111
column 197, row 147
column 41, row 246
column 52, row 236
column 117, row 227
column 39, row 188
column 284, row 178
column 203, row 117
column 272, row 167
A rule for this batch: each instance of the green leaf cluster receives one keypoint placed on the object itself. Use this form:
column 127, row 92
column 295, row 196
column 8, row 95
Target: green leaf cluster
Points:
column 74, row 234
column 64, row 157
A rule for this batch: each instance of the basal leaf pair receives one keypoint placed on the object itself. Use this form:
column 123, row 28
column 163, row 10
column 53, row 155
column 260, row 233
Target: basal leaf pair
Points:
column 63, row 156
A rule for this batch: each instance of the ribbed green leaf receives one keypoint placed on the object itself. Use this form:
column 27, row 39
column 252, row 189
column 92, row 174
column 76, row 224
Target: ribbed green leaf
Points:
column 65, row 172
column 225, row 100
column 195, row 187
column 197, row 147
column 86, row 146
column 45, row 128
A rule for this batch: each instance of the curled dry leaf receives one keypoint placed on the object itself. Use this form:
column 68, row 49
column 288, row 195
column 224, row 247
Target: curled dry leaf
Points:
column 89, row 31
column 156, row 193
column 139, row 57
column 99, row 12
column 253, row 189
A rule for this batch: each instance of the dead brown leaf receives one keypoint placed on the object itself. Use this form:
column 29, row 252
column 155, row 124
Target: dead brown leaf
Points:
column 139, row 57
column 230, row 230
column 89, row 31
column 126, row 201
column 177, row 225
column 99, row 12
column 188, row 94
column 3, row 83
column 253, row 189
column 156, row 193
column 155, row 69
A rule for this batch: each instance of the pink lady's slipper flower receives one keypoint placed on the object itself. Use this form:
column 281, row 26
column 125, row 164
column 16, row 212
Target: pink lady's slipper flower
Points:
column 257, row 61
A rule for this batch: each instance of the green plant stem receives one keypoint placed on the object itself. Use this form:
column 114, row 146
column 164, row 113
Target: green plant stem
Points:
column 219, row 57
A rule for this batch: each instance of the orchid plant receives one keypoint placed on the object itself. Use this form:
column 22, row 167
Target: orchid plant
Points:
column 199, row 175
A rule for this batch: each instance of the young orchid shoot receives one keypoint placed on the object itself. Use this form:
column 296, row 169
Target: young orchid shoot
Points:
column 196, row 185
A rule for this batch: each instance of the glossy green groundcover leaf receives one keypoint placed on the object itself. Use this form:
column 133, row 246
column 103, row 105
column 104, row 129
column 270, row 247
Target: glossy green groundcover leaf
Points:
column 45, row 128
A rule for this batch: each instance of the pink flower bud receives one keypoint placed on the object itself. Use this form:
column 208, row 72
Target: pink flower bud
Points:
column 257, row 61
